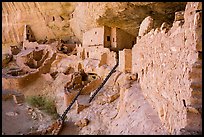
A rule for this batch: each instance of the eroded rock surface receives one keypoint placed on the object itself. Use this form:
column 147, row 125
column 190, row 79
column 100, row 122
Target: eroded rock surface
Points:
column 71, row 19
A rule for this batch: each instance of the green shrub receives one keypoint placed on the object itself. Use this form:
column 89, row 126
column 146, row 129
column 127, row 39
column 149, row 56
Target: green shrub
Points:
column 44, row 104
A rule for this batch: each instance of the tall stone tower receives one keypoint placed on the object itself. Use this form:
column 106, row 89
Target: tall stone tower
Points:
column 28, row 34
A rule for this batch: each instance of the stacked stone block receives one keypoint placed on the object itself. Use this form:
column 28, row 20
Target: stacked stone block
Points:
column 169, row 70
column 125, row 60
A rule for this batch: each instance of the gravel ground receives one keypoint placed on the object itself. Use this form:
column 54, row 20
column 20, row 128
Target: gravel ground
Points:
column 21, row 119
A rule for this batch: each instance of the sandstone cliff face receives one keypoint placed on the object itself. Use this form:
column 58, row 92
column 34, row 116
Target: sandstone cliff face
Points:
column 68, row 20
column 46, row 19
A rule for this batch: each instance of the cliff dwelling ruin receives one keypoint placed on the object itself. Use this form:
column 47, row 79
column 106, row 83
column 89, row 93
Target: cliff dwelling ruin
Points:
column 102, row 77
column 113, row 38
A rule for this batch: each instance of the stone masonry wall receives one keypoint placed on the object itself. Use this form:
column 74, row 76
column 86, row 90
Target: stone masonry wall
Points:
column 97, row 53
column 165, row 61
column 94, row 36
column 125, row 62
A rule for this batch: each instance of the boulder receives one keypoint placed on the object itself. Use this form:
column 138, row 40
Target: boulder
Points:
column 82, row 123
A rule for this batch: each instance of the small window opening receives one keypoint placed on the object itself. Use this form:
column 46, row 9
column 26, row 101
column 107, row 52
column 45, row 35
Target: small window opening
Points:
column 113, row 40
column 199, row 54
column 136, row 77
column 95, row 32
column 27, row 36
column 108, row 38
column 152, row 64
column 198, row 11
column 184, row 103
column 53, row 18
column 142, row 72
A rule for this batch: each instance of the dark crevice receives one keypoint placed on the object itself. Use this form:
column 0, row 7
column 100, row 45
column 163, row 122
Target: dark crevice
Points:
column 184, row 103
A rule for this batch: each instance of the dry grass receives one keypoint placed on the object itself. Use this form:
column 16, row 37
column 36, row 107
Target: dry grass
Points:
column 45, row 104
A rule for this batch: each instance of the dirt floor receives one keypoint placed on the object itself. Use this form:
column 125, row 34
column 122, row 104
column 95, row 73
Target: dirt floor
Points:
column 134, row 116
column 21, row 119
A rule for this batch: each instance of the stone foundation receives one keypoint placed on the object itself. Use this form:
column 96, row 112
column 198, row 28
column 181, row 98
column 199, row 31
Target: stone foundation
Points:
column 125, row 60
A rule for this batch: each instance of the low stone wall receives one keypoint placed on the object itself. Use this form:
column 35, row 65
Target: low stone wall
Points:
column 16, row 83
column 93, row 85
column 100, row 53
column 125, row 60
column 164, row 61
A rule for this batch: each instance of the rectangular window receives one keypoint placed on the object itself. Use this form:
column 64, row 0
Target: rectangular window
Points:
column 108, row 38
column 113, row 40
